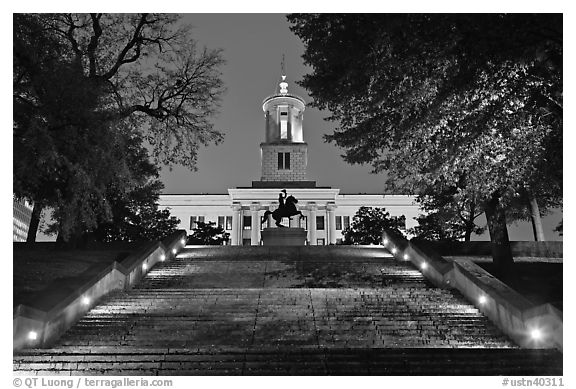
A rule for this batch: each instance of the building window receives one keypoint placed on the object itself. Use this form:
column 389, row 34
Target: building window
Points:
column 283, row 124
column 194, row 220
column 319, row 222
column 228, row 222
column 221, row 222
column 246, row 242
column 346, row 222
column 283, row 161
column 401, row 220
column 320, row 242
column 303, row 222
column 247, row 221
column 338, row 222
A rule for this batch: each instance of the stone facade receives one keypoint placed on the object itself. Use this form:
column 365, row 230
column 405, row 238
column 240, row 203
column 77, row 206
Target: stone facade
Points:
column 298, row 161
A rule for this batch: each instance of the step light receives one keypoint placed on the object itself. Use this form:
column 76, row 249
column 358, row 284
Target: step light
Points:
column 174, row 251
column 144, row 266
column 536, row 334
column 85, row 300
column 162, row 257
column 183, row 241
column 394, row 250
column 424, row 266
column 482, row 300
column 385, row 242
column 406, row 257
column 32, row 335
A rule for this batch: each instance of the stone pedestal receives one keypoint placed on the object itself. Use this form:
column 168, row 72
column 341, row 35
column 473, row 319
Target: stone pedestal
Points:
column 284, row 236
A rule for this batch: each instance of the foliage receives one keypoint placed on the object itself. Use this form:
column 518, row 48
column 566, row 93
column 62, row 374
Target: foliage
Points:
column 368, row 224
column 445, row 100
column 208, row 234
column 560, row 228
column 87, row 89
column 449, row 215
column 136, row 216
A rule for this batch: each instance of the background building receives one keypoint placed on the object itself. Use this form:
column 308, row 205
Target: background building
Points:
column 284, row 156
column 22, row 211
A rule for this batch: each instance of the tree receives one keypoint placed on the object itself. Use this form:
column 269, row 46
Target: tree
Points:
column 451, row 221
column 471, row 101
column 449, row 214
column 560, row 228
column 368, row 224
column 208, row 234
column 136, row 216
column 86, row 86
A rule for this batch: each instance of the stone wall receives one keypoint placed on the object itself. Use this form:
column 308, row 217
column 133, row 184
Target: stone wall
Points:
column 298, row 162
column 549, row 249
column 512, row 313
column 40, row 325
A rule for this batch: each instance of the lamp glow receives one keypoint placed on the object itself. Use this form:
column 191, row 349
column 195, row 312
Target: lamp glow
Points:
column 85, row 300
column 32, row 335
column 536, row 334
column 144, row 266
column 174, row 251
column 163, row 257
column 406, row 257
column 482, row 300
column 183, row 241
column 394, row 250
column 385, row 241
column 424, row 265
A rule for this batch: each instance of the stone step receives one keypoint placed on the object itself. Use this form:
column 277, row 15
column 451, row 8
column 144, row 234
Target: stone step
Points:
column 415, row 361
column 261, row 311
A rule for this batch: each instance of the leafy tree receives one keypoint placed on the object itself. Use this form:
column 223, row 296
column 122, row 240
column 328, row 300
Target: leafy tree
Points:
column 85, row 87
column 208, row 234
column 560, row 228
column 368, row 224
column 471, row 101
column 136, row 216
column 449, row 215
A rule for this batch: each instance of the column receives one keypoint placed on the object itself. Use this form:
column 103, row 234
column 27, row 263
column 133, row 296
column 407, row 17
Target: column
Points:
column 255, row 226
column 331, row 223
column 312, row 223
column 236, row 231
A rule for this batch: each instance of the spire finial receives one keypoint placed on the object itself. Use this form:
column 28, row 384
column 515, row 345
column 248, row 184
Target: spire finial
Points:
column 283, row 84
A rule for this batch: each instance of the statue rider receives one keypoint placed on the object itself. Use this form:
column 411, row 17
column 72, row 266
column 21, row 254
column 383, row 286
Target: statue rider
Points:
column 281, row 199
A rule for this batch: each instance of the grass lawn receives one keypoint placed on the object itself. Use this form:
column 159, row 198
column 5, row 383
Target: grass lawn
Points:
column 538, row 279
column 42, row 266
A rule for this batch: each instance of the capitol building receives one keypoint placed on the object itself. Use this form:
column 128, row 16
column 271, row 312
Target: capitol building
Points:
column 284, row 156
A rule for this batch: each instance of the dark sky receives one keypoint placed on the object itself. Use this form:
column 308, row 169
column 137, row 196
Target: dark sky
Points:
column 253, row 45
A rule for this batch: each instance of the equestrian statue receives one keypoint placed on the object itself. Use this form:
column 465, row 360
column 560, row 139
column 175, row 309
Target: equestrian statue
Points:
column 287, row 208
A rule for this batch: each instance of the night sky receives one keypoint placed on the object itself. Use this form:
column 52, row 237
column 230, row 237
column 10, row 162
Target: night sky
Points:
column 253, row 45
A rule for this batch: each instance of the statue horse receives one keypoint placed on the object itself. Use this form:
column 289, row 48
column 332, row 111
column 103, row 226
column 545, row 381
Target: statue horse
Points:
column 288, row 210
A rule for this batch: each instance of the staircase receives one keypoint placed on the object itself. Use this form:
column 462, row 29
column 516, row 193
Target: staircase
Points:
column 281, row 311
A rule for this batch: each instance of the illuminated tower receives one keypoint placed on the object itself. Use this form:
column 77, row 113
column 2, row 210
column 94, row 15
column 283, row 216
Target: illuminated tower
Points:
column 284, row 153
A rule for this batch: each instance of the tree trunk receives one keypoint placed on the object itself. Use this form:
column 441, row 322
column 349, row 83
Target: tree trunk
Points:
column 536, row 220
column 501, row 251
column 34, row 222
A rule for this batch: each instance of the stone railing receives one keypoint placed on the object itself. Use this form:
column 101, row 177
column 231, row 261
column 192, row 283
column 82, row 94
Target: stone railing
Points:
column 529, row 325
column 42, row 324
